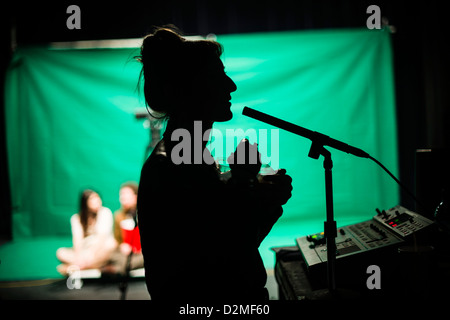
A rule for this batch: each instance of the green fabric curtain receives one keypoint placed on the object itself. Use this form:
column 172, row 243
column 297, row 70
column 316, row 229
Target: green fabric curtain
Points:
column 71, row 122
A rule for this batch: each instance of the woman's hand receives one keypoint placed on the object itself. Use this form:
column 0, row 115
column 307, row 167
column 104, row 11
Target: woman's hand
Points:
column 125, row 249
column 245, row 162
column 276, row 188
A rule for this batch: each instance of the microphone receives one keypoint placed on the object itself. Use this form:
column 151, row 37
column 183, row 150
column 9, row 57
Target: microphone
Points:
column 314, row 136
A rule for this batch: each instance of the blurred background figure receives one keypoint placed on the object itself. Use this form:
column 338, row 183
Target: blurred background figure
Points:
column 128, row 199
column 92, row 236
column 128, row 255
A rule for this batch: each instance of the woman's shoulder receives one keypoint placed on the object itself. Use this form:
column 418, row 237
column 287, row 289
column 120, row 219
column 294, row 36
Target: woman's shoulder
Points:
column 158, row 165
column 105, row 211
column 159, row 156
column 75, row 218
column 119, row 214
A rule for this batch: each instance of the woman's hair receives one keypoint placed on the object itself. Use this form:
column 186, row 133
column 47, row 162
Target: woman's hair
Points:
column 84, row 210
column 172, row 69
column 132, row 185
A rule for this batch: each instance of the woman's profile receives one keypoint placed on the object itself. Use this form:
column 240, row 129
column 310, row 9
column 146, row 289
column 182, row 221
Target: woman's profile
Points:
column 200, row 234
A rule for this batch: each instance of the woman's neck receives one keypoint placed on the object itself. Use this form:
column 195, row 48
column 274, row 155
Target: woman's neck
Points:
column 197, row 129
column 187, row 123
column 188, row 135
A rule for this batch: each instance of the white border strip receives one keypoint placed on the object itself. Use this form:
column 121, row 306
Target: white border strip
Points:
column 111, row 44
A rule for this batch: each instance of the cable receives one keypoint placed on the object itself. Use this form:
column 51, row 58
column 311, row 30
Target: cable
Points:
column 396, row 180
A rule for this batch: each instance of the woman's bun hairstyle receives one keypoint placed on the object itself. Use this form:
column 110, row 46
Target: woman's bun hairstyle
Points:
column 171, row 67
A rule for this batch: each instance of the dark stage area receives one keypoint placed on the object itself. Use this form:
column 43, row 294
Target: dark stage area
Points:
column 99, row 289
column 413, row 49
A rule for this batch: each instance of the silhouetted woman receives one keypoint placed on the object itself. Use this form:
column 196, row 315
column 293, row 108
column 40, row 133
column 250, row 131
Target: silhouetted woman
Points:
column 200, row 235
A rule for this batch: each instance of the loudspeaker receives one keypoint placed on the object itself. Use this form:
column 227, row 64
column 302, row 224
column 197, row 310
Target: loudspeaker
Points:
column 432, row 176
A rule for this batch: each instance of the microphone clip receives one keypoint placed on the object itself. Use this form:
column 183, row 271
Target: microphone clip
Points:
column 317, row 149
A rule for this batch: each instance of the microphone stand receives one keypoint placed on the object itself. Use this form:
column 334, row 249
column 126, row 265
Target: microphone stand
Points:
column 330, row 227
column 317, row 149
column 155, row 131
column 123, row 286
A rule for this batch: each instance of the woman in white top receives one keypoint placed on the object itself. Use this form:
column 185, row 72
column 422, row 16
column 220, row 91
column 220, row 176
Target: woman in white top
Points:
column 92, row 235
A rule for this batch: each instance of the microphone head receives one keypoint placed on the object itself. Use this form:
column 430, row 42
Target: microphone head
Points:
column 252, row 113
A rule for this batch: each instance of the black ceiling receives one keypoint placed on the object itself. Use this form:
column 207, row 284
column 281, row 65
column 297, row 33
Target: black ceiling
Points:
column 39, row 23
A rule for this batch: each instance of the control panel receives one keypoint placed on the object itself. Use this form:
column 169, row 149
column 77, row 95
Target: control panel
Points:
column 402, row 221
column 386, row 229
column 350, row 240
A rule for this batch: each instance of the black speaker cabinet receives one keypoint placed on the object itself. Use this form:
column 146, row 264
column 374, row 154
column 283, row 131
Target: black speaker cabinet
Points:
column 431, row 178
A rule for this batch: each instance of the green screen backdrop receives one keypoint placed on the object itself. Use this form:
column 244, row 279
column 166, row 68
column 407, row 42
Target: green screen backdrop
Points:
column 71, row 123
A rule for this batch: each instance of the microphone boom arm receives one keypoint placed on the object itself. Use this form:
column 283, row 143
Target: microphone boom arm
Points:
column 316, row 137
column 319, row 140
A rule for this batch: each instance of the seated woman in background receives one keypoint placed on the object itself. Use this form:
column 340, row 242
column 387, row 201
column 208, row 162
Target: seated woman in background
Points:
column 92, row 235
column 128, row 255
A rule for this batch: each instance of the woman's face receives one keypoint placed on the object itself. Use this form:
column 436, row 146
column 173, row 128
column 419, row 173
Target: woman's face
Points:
column 127, row 198
column 94, row 203
column 217, row 89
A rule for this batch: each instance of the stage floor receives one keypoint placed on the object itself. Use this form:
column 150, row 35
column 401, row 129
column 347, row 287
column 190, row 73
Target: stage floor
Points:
column 35, row 258
column 28, row 272
column 92, row 289
column 56, row 289
column 31, row 259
